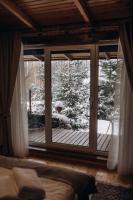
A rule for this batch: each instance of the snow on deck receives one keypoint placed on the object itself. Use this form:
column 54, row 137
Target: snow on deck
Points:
column 104, row 127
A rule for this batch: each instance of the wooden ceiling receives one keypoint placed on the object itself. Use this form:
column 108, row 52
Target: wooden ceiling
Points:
column 56, row 12
column 51, row 22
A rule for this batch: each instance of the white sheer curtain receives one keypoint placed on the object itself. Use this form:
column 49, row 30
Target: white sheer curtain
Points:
column 19, row 121
column 114, row 146
column 125, row 158
column 120, row 154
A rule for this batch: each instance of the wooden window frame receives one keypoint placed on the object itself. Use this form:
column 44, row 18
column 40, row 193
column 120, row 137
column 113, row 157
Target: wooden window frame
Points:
column 92, row 148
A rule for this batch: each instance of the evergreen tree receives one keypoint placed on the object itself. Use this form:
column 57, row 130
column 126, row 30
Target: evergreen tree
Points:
column 74, row 90
column 38, row 91
column 107, row 82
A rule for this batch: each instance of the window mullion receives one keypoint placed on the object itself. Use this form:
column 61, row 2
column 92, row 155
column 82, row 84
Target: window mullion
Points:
column 93, row 99
column 48, row 118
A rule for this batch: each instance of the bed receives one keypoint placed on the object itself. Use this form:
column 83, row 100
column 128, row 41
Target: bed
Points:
column 59, row 183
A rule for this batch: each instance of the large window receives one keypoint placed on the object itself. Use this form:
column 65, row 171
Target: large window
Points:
column 106, row 101
column 70, row 98
column 35, row 94
column 68, row 104
column 71, row 101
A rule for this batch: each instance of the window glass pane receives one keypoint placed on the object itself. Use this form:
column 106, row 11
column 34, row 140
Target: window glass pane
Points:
column 106, row 97
column 70, row 101
column 34, row 79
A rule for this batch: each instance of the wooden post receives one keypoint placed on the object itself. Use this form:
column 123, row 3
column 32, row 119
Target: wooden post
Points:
column 93, row 99
column 48, row 110
column 30, row 108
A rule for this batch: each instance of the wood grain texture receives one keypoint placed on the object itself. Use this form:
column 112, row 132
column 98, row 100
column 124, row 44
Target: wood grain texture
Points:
column 73, row 137
column 9, row 5
column 83, row 10
column 64, row 12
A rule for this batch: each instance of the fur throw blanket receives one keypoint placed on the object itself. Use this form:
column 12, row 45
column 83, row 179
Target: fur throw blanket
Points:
column 82, row 184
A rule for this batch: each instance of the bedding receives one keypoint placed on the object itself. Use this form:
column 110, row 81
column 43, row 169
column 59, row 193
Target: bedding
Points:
column 28, row 183
column 54, row 190
column 70, row 182
column 8, row 188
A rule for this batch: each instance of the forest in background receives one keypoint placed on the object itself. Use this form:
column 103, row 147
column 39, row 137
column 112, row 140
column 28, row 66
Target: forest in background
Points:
column 71, row 86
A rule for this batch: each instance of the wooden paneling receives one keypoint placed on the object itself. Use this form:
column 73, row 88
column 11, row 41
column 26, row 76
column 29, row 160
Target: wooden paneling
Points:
column 51, row 12
column 47, row 12
column 8, row 21
column 63, row 13
column 16, row 11
column 112, row 9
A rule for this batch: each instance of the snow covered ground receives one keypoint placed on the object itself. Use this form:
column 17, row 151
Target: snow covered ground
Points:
column 104, row 127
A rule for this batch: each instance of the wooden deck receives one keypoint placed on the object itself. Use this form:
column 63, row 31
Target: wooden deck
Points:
column 73, row 137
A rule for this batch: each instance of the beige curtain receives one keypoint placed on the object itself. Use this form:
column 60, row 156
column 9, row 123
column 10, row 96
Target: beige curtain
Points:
column 10, row 46
column 121, row 149
column 125, row 159
column 19, row 119
column 126, row 38
column 115, row 137
column 125, row 154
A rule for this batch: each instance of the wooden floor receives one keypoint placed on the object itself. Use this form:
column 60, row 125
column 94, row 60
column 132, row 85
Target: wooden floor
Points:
column 72, row 137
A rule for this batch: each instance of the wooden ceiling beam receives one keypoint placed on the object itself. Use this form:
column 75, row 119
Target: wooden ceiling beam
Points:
column 59, row 39
column 10, row 6
column 39, row 58
column 80, row 4
column 68, row 56
column 40, row 52
column 35, row 58
column 63, row 39
column 107, row 55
